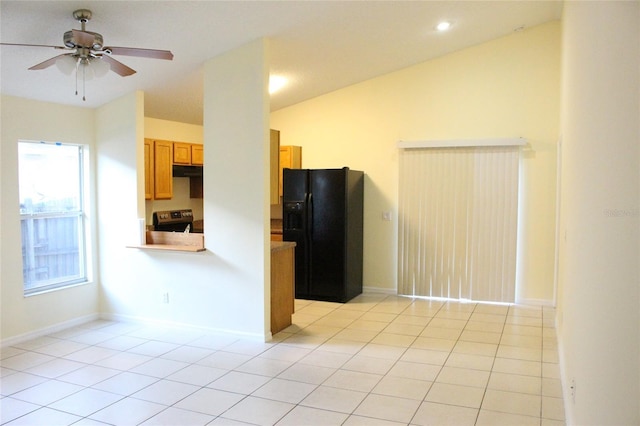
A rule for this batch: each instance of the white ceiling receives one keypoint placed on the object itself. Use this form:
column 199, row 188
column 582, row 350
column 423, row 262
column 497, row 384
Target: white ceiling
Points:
column 321, row 46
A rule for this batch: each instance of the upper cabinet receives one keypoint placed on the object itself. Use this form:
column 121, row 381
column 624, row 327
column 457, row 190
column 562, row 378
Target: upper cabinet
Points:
column 188, row 154
column 181, row 153
column 197, row 155
column 159, row 158
column 290, row 158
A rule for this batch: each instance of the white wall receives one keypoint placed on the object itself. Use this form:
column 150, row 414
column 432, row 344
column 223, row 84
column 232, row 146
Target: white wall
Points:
column 119, row 176
column 236, row 183
column 599, row 285
column 20, row 316
column 504, row 88
column 221, row 289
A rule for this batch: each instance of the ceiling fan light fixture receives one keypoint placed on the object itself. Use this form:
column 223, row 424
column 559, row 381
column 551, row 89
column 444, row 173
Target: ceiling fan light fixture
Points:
column 100, row 67
column 66, row 64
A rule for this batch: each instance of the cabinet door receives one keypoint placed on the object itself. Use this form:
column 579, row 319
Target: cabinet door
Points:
column 290, row 158
column 181, row 153
column 148, row 169
column 275, row 166
column 197, row 155
column 163, row 170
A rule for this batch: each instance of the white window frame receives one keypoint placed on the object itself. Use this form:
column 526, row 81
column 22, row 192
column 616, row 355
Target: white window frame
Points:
column 82, row 276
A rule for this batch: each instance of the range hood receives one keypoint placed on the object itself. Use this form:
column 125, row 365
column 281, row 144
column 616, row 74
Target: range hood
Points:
column 187, row 171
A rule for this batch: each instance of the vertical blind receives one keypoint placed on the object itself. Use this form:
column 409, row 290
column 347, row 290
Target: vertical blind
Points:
column 458, row 212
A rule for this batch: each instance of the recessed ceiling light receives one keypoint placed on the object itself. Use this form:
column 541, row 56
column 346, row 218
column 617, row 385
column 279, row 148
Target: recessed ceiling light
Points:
column 443, row 26
column 276, row 82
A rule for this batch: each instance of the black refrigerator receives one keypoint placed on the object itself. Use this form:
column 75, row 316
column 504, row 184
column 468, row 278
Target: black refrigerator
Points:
column 323, row 214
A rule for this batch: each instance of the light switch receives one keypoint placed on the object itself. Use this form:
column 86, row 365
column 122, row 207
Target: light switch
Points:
column 386, row 216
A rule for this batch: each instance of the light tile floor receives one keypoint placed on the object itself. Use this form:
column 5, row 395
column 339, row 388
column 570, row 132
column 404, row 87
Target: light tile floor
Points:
column 377, row 360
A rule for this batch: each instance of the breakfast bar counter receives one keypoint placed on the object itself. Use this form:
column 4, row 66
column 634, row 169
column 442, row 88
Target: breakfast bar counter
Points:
column 282, row 284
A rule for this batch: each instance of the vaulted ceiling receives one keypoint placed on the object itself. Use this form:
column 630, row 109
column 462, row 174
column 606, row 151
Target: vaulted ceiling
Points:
column 320, row 46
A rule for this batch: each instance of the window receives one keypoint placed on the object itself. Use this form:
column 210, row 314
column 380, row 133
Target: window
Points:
column 52, row 215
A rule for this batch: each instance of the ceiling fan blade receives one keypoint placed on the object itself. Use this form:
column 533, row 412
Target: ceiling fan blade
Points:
column 118, row 67
column 47, row 63
column 142, row 53
column 83, row 38
column 33, row 45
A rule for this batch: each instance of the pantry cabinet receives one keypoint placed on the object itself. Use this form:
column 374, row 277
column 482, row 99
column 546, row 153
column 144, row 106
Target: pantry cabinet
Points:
column 162, row 170
column 274, row 163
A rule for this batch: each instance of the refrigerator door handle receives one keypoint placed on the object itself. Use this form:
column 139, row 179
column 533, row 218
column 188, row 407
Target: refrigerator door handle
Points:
column 308, row 236
column 309, row 216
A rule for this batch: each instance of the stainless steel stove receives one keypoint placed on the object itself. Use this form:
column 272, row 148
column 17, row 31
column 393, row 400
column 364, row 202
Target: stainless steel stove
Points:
column 173, row 220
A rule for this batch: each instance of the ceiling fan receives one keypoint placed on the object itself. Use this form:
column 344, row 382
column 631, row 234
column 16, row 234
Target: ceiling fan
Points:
column 88, row 54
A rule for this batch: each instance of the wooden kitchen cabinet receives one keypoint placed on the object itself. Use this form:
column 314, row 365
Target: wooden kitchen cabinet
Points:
column 159, row 158
column 197, row 155
column 188, row 154
column 274, row 193
column 181, row 153
column 162, row 170
column 290, row 158
column 148, row 169
column 282, row 285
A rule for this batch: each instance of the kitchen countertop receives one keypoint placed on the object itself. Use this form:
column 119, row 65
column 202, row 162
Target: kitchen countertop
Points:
column 281, row 245
column 173, row 241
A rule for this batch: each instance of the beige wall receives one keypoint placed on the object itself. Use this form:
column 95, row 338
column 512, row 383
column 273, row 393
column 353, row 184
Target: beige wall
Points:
column 20, row 316
column 173, row 131
column 599, row 274
column 504, row 88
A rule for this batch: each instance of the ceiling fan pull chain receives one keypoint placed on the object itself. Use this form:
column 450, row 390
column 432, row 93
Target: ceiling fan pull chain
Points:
column 84, row 79
column 77, row 77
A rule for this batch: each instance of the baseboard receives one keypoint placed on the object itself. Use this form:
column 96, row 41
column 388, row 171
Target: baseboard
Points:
column 566, row 387
column 184, row 326
column 383, row 290
column 536, row 302
column 48, row 330
column 521, row 301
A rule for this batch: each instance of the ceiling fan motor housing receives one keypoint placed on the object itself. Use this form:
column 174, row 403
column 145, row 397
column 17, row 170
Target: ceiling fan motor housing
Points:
column 70, row 41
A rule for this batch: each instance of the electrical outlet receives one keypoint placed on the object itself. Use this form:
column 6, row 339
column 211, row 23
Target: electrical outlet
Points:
column 165, row 297
column 572, row 389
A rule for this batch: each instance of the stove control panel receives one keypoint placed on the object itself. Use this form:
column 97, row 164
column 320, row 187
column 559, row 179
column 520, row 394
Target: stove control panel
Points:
column 173, row 216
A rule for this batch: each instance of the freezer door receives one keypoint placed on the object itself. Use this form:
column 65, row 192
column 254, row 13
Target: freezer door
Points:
column 295, row 226
column 327, row 222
